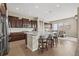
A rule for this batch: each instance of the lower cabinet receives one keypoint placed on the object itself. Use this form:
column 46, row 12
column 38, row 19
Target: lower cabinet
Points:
column 17, row 36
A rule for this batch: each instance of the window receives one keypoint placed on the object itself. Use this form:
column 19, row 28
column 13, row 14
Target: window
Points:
column 55, row 27
column 60, row 26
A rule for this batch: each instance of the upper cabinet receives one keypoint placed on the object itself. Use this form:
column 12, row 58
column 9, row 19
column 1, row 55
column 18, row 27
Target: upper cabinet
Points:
column 26, row 23
column 15, row 22
column 19, row 23
column 12, row 21
column 33, row 23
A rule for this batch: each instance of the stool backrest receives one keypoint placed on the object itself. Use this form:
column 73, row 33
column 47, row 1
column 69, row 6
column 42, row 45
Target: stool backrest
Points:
column 50, row 36
column 40, row 39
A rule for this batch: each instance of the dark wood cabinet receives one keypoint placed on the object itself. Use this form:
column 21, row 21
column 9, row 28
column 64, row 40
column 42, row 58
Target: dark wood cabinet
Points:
column 19, row 23
column 26, row 23
column 34, row 24
column 17, row 36
column 13, row 21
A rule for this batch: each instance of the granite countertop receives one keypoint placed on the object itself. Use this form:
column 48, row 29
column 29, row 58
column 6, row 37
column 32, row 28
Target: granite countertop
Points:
column 33, row 33
column 68, row 38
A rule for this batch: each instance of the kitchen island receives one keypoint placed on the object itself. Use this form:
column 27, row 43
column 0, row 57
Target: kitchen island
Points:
column 32, row 40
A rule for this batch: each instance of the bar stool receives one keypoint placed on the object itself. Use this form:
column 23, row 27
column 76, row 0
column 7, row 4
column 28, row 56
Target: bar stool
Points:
column 55, row 40
column 42, row 43
column 50, row 40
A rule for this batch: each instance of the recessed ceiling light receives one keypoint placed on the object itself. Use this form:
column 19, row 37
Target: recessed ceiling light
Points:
column 17, row 8
column 58, row 5
column 36, row 6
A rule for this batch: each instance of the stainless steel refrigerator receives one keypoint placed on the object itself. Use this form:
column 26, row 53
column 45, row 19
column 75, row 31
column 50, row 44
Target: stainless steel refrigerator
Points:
column 4, row 48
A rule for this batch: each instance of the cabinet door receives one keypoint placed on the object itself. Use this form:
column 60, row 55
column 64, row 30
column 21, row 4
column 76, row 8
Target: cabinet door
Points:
column 13, row 21
column 34, row 24
column 19, row 23
column 26, row 23
column 31, row 23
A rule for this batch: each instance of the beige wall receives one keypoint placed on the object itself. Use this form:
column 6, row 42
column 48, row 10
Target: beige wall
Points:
column 72, row 31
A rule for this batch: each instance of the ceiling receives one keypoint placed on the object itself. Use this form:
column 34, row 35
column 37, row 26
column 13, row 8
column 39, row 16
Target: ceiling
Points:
column 46, row 11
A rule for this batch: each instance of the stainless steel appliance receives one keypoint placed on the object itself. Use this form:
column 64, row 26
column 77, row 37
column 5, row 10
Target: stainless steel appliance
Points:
column 3, row 31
